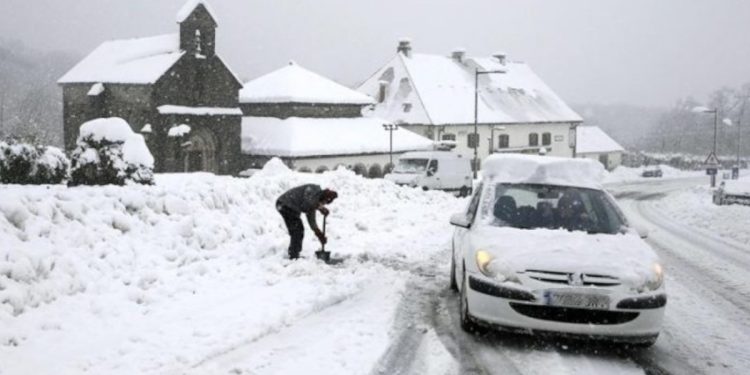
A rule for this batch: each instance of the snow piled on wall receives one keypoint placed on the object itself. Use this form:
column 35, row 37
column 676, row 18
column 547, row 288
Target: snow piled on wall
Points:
column 148, row 279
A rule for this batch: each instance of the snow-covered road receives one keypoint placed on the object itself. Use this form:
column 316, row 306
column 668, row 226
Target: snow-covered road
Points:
column 706, row 325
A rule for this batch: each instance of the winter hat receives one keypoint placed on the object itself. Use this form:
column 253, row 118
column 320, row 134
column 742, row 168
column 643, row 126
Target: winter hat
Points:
column 328, row 195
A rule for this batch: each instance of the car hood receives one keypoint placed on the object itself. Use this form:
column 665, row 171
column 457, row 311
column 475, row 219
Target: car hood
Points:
column 625, row 256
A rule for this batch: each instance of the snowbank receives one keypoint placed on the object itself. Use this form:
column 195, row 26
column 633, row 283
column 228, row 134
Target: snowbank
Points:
column 694, row 208
column 740, row 186
column 158, row 279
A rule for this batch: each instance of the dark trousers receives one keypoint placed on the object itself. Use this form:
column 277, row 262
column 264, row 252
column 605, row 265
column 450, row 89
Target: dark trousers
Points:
column 295, row 228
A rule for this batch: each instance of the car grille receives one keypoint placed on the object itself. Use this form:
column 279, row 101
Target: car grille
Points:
column 586, row 279
column 573, row 315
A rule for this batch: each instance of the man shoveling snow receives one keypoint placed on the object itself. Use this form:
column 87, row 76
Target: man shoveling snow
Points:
column 303, row 199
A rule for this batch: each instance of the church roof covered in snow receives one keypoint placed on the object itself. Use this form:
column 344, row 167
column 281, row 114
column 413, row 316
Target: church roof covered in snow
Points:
column 300, row 137
column 135, row 61
column 295, row 84
column 439, row 90
column 591, row 139
column 190, row 6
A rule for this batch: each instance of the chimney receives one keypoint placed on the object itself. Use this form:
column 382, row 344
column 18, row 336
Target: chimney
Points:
column 458, row 54
column 500, row 57
column 404, row 46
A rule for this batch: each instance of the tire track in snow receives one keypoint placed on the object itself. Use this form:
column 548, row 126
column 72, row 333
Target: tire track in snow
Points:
column 418, row 312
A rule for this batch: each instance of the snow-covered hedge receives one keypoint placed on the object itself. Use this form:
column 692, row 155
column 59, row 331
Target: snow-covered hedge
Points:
column 22, row 163
column 108, row 152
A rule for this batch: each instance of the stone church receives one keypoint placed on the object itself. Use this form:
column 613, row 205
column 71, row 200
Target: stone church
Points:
column 174, row 89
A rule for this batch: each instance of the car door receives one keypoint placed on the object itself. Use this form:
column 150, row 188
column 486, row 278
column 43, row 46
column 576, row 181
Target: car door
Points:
column 461, row 239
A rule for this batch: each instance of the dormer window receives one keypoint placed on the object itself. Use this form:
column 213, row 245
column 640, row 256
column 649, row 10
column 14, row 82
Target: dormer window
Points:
column 407, row 107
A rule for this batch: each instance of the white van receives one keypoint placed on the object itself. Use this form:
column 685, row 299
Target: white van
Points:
column 433, row 170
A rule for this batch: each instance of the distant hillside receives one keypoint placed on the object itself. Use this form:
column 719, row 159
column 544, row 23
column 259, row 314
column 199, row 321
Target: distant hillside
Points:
column 30, row 101
column 628, row 125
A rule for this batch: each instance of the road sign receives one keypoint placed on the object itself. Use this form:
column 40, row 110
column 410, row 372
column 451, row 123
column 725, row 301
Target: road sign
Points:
column 711, row 159
column 711, row 171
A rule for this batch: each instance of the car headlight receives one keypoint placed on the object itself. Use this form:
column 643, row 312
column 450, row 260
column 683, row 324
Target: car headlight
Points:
column 489, row 267
column 483, row 262
column 657, row 277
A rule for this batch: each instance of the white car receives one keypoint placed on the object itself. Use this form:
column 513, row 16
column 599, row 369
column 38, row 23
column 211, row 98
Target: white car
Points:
column 543, row 248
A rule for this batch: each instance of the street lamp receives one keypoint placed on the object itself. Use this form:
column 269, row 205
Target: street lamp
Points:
column 715, row 111
column 492, row 137
column 390, row 128
column 477, row 73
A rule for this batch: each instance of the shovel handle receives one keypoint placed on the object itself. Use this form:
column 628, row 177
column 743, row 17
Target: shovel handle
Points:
column 322, row 244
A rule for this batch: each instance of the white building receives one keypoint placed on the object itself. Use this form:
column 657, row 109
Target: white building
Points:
column 594, row 143
column 433, row 95
column 315, row 124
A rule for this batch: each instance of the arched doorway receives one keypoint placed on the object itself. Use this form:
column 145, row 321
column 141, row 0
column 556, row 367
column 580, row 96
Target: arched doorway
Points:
column 200, row 152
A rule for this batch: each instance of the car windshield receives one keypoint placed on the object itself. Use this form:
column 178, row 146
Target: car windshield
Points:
column 411, row 166
column 532, row 206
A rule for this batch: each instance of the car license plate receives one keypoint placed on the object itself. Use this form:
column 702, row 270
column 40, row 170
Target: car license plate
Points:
column 587, row 301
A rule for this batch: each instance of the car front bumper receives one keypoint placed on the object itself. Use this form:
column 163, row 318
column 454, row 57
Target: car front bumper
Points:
column 511, row 309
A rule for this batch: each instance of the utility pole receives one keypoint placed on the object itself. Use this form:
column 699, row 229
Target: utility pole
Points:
column 390, row 128
column 2, row 113
column 712, row 168
column 475, row 136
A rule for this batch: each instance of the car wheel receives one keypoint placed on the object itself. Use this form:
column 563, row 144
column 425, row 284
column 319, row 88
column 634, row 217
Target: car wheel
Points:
column 425, row 188
column 467, row 322
column 464, row 192
column 454, row 284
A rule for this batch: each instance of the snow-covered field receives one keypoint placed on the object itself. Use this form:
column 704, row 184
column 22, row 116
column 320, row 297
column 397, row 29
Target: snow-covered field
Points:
column 192, row 275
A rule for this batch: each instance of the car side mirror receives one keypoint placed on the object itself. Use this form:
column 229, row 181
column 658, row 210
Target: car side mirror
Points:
column 460, row 220
column 430, row 173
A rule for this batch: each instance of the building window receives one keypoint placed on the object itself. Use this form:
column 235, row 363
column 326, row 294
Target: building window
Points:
column 407, row 107
column 503, row 141
column 448, row 137
column 534, row 139
column 546, row 139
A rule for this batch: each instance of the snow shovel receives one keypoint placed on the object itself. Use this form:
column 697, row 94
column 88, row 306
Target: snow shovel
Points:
column 322, row 254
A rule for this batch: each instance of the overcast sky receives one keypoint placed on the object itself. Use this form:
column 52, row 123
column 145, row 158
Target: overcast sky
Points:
column 641, row 52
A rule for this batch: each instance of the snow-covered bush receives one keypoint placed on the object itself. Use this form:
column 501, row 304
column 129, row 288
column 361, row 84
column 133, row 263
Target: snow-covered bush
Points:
column 360, row 169
column 22, row 163
column 109, row 152
column 375, row 171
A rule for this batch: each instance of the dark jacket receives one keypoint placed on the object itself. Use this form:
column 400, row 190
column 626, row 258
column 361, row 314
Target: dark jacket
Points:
column 302, row 199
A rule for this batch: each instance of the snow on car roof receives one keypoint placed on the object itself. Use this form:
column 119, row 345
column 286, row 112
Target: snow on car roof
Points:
column 295, row 84
column 517, row 168
column 137, row 61
column 298, row 136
